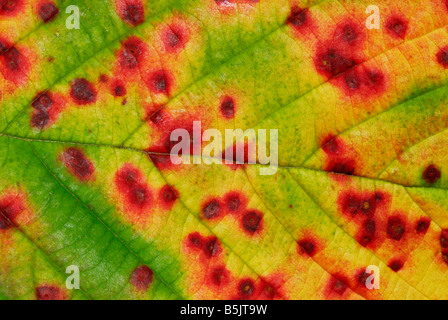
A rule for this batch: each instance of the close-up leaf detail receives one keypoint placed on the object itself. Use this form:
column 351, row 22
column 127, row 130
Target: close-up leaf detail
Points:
column 91, row 91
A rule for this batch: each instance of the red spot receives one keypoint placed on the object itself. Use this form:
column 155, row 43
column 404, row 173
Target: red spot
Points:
column 82, row 92
column 131, row 11
column 332, row 62
column 252, row 222
column 10, row 8
column 48, row 11
column 211, row 247
column 298, row 17
column 432, row 174
column 366, row 203
column 119, row 89
column 175, row 37
column 11, row 206
column 211, row 209
column 132, row 53
column 442, row 57
column 219, row 276
column 246, row 289
column 142, row 278
column 47, row 107
column 46, row 292
column 227, row 107
column 397, row 27
column 160, row 82
column 195, row 240
column 444, row 238
column 361, row 278
column 132, row 186
column 307, row 246
column 395, row 228
column 103, row 78
column 422, row 225
column 367, row 233
column 13, row 64
column 235, row 202
column 339, row 159
column 77, row 164
column 168, row 196
column 362, row 81
column 349, row 33
column 395, row 265
column 337, row 285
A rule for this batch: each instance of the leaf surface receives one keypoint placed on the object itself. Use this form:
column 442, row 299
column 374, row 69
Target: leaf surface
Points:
column 85, row 120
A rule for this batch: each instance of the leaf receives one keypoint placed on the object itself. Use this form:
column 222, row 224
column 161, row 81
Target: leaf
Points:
column 86, row 180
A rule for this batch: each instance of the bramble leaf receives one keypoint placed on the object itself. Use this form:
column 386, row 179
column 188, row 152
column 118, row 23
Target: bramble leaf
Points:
column 86, row 179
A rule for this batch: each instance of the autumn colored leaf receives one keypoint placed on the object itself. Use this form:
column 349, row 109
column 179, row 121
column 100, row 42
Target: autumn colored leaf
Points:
column 86, row 179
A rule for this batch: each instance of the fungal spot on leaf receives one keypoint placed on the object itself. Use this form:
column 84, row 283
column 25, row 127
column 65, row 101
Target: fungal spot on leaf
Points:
column 211, row 209
column 11, row 206
column 77, row 164
column 14, row 66
column 442, row 57
column 298, row 17
column 395, row 228
column 131, row 11
column 444, row 238
column 432, row 174
column 132, row 187
column 246, row 289
column 195, row 240
column 118, row 89
column 47, row 292
column 422, row 225
column 211, row 247
column 219, row 275
column 132, row 53
column 10, row 7
column 307, row 246
column 397, row 27
column 252, row 222
column 367, row 232
column 168, row 195
column 338, row 285
column 160, row 82
column 174, row 37
column 142, row 278
column 227, row 107
column 331, row 62
column 395, row 265
column 349, row 34
column 82, row 92
column 361, row 278
column 234, row 202
column 48, row 11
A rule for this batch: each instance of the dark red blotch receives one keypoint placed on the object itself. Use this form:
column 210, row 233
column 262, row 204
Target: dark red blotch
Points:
column 131, row 185
column 211, row 209
column 168, row 196
column 77, row 164
column 227, row 107
column 395, row 264
column 307, row 246
column 160, row 82
column 131, row 11
column 82, row 92
column 397, row 27
column 396, row 228
column 11, row 206
column 48, row 11
column 142, row 278
column 47, row 292
column 432, row 174
column 252, row 222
